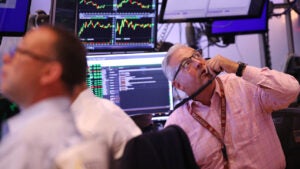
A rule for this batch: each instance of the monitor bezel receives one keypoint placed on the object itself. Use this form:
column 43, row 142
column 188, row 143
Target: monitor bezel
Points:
column 125, row 49
column 264, row 16
column 55, row 9
column 134, row 59
column 255, row 10
column 16, row 32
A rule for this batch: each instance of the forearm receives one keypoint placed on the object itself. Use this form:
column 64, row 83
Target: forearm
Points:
column 278, row 89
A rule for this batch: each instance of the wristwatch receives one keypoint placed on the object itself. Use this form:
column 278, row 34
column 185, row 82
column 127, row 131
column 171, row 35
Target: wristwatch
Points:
column 240, row 69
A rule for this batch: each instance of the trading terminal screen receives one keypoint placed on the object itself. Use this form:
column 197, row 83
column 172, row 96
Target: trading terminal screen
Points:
column 117, row 25
column 135, row 82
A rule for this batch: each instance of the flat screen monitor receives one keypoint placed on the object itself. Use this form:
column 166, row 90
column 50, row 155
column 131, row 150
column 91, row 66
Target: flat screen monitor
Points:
column 63, row 13
column 241, row 26
column 13, row 17
column 117, row 25
column 135, row 82
column 207, row 10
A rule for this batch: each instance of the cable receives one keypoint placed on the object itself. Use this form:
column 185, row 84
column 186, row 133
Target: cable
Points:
column 220, row 45
column 288, row 6
column 294, row 6
column 193, row 95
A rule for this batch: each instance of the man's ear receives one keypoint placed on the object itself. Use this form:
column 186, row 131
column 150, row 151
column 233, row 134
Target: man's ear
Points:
column 52, row 72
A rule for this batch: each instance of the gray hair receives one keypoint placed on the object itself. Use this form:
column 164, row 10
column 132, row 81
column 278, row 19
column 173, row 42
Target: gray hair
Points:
column 169, row 71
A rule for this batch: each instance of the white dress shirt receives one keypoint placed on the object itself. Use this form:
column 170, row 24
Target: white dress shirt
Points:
column 37, row 135
column 101, row 122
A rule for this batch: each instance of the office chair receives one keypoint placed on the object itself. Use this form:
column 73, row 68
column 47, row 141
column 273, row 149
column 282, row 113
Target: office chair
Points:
column 168, row 148
column 287, row 123
column 293, row 67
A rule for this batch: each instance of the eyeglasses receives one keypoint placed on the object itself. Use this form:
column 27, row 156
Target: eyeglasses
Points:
column 186, row 63
column 14, row 50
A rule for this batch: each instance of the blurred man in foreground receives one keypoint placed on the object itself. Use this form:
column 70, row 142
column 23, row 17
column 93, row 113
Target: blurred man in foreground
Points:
column 39, row 75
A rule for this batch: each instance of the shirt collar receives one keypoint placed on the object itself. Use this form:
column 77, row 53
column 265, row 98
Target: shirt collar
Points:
column 80, row 101
column 192, row 103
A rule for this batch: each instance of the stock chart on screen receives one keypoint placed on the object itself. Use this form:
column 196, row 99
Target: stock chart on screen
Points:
column 117, row 25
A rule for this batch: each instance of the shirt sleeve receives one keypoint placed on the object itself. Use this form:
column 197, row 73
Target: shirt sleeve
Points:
column 277, row 89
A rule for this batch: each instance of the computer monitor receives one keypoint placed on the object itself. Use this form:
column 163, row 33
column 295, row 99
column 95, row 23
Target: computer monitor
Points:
column 207, row 10
column 63, row 12
column 135, row 82
column 241, row 26
column 13, row 17
column 117, row 25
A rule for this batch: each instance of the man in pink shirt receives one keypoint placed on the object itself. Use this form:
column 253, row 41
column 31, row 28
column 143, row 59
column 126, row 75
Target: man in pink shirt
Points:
column 229, row 123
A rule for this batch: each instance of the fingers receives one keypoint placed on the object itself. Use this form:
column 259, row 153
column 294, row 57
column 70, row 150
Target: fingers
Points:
column 213, row 66
column 219, row 63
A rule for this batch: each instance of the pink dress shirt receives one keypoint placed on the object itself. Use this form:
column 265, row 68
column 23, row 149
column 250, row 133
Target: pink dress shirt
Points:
column 250, row 136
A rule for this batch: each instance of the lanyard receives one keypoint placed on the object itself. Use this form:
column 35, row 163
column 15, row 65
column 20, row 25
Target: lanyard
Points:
column 213, row 131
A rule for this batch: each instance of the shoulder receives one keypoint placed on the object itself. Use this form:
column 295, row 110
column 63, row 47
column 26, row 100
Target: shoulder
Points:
column 180, row 117
column 91, row 112
column 87, row 101
column 48, row 132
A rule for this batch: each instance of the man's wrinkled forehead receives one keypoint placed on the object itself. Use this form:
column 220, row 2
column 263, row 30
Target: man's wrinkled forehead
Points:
column 182, row 53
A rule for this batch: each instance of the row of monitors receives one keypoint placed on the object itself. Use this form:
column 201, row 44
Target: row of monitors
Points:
column 131, row 25
column 121, row 25
column 109, row 25
column 101, row 25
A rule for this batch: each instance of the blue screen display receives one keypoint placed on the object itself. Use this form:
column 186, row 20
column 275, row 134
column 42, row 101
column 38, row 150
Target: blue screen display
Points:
column 241, row 26
column 13, row 17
